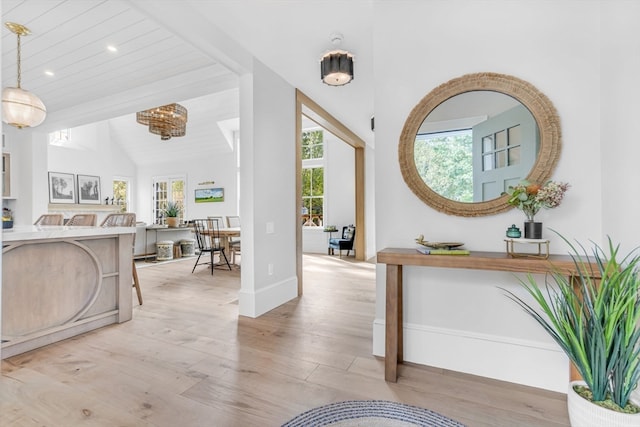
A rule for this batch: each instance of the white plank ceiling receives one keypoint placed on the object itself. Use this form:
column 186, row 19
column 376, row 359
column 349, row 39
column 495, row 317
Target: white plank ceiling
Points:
column 185, row 51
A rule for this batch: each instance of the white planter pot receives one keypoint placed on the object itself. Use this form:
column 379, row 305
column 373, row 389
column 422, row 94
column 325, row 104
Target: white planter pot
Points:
column 583, row 413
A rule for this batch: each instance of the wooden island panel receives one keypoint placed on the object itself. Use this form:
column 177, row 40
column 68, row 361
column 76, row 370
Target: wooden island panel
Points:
column 59, row 282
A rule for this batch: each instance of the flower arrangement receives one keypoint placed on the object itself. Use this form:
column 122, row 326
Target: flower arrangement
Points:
column 531, row 197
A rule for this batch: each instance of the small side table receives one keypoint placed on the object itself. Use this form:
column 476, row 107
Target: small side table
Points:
column 330, row 231
column 542, row 244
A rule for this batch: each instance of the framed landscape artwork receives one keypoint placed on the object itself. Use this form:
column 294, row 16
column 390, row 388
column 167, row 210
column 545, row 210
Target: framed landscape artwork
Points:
column 208, row 195
column 62, row 188
column 89, row 189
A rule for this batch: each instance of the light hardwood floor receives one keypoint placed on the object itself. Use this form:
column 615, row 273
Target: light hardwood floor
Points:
column 186, row 359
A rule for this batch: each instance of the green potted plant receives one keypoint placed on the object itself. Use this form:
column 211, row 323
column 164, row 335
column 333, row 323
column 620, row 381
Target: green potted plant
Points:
column 596, row 322
column 172, row 212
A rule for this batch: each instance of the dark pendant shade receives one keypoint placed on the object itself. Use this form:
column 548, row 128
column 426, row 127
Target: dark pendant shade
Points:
column 336, row 68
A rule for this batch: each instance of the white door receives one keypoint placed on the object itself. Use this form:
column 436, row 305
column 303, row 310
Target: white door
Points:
column 168, row 189
column 504, row 150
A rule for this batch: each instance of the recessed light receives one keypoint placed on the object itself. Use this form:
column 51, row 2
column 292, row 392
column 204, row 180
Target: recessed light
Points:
column 49, row 73
column 112, row 48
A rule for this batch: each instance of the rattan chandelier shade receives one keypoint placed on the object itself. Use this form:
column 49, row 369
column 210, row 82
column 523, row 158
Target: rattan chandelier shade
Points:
column 168, row 121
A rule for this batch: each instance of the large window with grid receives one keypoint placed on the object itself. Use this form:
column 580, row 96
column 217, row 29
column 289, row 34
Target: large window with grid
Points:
column 312, row 214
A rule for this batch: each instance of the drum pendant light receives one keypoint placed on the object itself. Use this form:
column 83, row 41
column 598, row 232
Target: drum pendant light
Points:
column 336, row 67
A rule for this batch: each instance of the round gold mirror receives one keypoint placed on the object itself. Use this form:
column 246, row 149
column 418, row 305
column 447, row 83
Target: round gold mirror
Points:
column 470, row 138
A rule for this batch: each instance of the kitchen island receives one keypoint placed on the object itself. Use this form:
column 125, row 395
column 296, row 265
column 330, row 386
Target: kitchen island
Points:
column 58, row 282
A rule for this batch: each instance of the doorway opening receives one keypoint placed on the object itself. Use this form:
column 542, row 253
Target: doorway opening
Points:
column 308, row 108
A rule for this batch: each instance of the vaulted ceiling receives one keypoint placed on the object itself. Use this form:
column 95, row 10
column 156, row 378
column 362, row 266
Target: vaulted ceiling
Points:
column 185, row 51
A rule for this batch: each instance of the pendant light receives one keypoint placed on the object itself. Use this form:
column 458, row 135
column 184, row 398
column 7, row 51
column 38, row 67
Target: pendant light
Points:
column 167, row 121
column 336, row 67
column 21, row 108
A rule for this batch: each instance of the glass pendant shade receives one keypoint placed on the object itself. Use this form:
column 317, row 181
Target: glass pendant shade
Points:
column 336, row 68
column 21, row 108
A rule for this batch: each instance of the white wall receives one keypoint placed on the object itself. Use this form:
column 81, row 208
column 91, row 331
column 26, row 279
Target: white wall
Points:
column 93, row 153
column 339, row 193
column 219, row 168
column 29, row 185
column 459, row 319
column 268, row 204
column 620, row 108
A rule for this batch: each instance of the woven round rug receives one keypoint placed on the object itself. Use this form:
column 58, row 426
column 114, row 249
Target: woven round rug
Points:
column 371, row 413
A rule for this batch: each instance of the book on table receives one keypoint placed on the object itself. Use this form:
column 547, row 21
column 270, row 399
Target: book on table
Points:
column 440, row 251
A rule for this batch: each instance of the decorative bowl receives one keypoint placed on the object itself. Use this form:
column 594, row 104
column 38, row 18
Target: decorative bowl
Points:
column 437, row 245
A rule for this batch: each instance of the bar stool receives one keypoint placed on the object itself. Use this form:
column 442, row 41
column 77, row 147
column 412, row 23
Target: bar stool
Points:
column 50, row 219
column 83, row 219
column 126, row 220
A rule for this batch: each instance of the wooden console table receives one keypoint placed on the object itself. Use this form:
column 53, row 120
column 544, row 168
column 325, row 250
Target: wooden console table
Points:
column 396, row 258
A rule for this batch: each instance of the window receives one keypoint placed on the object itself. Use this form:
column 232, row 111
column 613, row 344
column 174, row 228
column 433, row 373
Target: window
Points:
column 60, row 137
column 312, row 178
column 165, row 190
column 121, row 193
column 501, row 149
column 312, row 145
column 312, row 196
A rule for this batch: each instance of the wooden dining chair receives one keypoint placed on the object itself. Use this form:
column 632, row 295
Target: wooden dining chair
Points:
column 233, row 221
column 83, row 219
column 208, row 240
column 126, row 219
column 50, row 219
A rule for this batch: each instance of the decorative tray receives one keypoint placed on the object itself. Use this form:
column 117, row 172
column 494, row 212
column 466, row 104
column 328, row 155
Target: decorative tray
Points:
column 437, row 245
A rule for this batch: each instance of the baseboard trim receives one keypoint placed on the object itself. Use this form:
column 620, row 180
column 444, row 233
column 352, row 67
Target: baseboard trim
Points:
column 258, row 302
column 520, row 361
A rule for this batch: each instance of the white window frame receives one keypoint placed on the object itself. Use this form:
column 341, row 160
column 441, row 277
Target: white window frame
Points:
column 127, row 180
column 168, row 180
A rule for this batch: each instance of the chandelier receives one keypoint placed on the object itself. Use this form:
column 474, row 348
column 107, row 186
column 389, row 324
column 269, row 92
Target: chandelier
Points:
column 21, row 108
column 167, row 121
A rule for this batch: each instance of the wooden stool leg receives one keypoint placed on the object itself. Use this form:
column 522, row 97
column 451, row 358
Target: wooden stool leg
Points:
column 136, row 283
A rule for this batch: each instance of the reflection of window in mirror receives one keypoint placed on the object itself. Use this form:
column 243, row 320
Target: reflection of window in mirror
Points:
column 444, row 162
column 476, row 158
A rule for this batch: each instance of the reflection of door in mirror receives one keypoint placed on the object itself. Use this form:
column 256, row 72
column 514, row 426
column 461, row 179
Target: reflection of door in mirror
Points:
column 504, row 151
column 472, row 146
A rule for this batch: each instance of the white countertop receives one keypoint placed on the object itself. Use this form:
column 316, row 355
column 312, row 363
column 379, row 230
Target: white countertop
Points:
column 35, row 232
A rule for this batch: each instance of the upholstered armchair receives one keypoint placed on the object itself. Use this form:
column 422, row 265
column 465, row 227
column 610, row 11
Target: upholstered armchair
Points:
column 343, row 243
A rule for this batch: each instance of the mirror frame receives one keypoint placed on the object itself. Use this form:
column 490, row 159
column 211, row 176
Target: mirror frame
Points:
column 538, row 104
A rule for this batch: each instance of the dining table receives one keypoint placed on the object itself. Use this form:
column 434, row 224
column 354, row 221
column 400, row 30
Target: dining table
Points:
column 226, row 234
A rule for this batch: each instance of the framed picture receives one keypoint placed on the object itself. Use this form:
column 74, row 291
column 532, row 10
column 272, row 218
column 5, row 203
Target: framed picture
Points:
column 62, row 188
column 208, row 195
column 89, row 189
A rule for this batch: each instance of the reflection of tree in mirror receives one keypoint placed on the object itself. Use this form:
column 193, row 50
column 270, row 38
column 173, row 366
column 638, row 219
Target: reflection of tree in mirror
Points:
column 444, row 162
